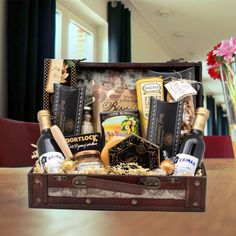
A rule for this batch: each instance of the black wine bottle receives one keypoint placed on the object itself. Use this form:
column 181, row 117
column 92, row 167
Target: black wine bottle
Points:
column 50, row 156
column 192, row 148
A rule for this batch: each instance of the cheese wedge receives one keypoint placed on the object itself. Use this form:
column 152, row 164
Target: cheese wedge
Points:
column 147, row 87
column 105, row 151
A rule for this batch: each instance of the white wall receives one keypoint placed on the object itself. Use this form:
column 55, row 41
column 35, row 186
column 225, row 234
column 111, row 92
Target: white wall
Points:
column 98, row 6
column 145, row 48
column 3, row 87
column 145, row 45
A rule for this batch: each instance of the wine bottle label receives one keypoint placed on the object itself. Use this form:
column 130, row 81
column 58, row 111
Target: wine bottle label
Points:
column 85, row 165
column 186, row 165
column 51, row 161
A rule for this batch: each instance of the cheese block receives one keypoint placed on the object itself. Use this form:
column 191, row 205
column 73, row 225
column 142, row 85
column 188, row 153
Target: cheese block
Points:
column 105, row 151
column 146, row 88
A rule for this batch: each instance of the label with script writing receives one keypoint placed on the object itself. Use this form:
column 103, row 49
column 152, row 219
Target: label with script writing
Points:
column 113, row 90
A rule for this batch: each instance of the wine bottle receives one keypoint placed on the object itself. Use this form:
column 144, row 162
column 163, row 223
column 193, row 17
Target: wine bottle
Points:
column 193, row 147
column 50, row 156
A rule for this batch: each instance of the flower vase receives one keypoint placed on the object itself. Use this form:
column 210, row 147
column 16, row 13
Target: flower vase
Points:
column 221, row 63
column 226, row 79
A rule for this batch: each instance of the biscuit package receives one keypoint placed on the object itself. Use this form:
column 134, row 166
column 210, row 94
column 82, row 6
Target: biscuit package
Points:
column 113, row 91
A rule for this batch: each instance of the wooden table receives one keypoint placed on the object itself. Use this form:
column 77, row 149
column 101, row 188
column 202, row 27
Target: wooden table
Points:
column 219, row 219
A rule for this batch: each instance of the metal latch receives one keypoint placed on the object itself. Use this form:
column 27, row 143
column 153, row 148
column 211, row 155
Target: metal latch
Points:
column 60, row 178
column 173, row 180
column 79, row 181
column 151, row 182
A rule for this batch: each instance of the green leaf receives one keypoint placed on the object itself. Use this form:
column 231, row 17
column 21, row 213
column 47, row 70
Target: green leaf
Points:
column 123, row 128
column 124, row 122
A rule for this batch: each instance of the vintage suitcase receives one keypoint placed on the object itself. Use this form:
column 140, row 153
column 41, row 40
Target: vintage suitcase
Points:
column 121, row 192
column 117, row 192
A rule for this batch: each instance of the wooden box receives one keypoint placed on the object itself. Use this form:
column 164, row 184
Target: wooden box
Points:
column 121, row 192
column 117, row 192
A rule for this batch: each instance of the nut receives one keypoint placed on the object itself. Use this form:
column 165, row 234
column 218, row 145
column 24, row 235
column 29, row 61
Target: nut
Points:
column 134, row 202
column 38, row 199
column 88, row 201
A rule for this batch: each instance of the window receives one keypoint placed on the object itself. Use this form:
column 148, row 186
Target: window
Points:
column 80, row 42
column 75, row 38
column 80, row 32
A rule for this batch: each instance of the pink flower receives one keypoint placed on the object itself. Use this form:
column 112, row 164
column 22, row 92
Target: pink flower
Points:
column 234, row 44
column 227, row 48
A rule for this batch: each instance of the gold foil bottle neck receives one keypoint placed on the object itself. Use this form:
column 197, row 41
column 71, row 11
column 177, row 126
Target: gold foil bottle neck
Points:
column 202, row 114
column 44, row 119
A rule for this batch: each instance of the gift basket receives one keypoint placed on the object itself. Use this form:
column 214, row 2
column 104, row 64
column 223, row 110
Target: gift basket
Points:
column 120, row 136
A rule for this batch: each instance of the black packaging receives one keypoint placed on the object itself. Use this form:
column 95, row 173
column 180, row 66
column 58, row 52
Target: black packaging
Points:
column 67, row 108
column 84, row 142
column 135, row 149
column 164, row 126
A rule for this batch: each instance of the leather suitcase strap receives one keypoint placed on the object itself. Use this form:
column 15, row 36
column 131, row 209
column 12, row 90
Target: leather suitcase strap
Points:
column 115, row 186
column 109, row 185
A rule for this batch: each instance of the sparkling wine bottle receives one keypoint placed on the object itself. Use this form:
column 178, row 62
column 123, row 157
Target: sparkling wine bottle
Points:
column 193, row 147
column 50, row 156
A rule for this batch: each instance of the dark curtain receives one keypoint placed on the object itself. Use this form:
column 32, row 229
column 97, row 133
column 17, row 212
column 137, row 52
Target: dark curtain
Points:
column 211, row 122
column 219, row 124
column 222, row 121
column 30, row 39
column 225, row 124
column 201, row 93
column 119, row 32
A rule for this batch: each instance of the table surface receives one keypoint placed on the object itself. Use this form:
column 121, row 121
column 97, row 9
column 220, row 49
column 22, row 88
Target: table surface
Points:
column 219, row 219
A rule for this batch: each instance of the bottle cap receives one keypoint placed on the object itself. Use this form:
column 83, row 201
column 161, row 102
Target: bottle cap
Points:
column 44, row 120
column 202, row 114
column 203, row 111
column 43, row 113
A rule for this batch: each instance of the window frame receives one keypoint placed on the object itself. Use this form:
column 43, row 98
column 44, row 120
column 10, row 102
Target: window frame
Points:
column 90, row 57
column 58, row 39
column 68, row 15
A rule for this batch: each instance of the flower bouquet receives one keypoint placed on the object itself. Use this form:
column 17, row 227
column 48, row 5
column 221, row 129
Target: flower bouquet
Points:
column 222, row 65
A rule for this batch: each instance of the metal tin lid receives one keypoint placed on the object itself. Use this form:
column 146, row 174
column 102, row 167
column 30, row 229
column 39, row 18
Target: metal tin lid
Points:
column 87, row 153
